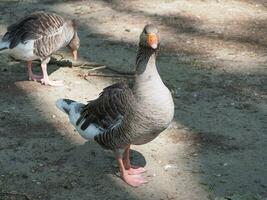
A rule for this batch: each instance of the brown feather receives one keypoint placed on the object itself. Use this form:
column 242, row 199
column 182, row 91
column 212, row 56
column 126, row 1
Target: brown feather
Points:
column 113, row 102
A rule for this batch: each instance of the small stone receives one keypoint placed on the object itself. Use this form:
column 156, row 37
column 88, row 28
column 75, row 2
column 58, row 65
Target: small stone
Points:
column 73, row 183
column 38, row 182
column 166, row 167
column 54, row 116
column 127, row 30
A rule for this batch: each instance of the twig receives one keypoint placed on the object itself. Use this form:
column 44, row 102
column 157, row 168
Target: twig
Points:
column 16, row 194
column 120, row 72
column 87, row 64
column 96, row 68
column 110, row 75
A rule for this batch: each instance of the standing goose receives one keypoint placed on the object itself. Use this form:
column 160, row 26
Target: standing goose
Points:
column 37, row 36
column 122, row 116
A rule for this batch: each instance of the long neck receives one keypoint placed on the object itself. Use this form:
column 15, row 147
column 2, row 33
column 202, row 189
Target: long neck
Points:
column 146, row 64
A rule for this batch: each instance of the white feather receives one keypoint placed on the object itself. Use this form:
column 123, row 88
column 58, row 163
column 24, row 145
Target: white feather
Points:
column 90, row 132
column 74, row 113
column 23, row 51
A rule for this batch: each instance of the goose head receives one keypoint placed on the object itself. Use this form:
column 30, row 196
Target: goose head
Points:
column 149, row 38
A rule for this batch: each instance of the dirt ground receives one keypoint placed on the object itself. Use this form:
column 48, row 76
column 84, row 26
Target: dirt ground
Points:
column 213, row 58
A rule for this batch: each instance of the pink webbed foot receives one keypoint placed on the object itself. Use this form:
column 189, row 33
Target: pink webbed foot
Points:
column 134, row 180
column 46, row 80
column 134, row 170
column 51, row 83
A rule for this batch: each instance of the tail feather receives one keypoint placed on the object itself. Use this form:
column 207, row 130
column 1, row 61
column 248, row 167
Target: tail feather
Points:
column 64, row 105
column 72, row 109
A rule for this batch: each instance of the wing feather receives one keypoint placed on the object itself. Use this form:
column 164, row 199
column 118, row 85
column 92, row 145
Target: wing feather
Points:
column 112, row 104
column 32, row 27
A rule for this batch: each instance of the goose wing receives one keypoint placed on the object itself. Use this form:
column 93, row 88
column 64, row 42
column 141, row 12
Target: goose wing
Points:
column 32, row 27
column 109, row 108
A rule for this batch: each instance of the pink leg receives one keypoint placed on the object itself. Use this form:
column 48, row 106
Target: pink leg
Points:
column 45, row 80
column 132, row 180
column 131, row 169
column 32, row 77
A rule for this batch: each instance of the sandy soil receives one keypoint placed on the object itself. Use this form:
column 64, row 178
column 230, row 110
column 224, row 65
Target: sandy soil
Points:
column 213, row 58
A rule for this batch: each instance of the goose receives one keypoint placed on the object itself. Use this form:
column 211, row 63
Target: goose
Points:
column 37, row 36
column 122, row 116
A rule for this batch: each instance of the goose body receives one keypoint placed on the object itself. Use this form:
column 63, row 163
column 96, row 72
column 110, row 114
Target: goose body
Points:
column 121, row 115
column 37, row 36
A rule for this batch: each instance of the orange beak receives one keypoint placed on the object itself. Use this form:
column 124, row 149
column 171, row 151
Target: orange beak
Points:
column 74, row 54
column 152, row 40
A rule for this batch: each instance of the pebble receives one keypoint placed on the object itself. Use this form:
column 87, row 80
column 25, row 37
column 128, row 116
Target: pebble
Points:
column 166, row 167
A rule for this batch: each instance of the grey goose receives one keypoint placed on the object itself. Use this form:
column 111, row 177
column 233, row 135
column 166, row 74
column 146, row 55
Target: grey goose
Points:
column 37, row 36
column 122, row 116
